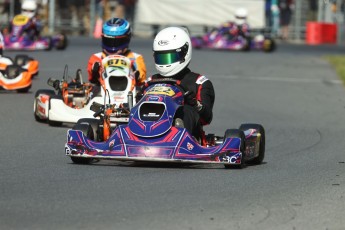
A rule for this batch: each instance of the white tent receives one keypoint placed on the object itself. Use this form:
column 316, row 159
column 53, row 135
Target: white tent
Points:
column 197, row 12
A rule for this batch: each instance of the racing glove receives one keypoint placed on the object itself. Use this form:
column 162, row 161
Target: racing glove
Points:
column 190, row 99
column 95, row 72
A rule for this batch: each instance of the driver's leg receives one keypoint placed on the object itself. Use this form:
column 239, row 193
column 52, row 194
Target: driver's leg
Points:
column 190, row 118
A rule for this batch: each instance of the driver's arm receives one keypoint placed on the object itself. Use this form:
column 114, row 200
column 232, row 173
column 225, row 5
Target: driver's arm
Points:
column 206, row 96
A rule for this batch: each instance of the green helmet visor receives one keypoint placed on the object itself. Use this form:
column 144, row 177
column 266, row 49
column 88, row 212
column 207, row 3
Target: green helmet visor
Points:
column 168, row 57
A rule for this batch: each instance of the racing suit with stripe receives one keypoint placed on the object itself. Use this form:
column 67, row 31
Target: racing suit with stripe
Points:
column 195, row 116
column 137, row 61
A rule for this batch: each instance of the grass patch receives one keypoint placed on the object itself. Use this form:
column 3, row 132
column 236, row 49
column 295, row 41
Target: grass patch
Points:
column 338, row 62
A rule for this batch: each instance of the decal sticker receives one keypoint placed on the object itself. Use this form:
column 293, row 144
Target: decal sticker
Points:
column 20, row 20
column 111, row 143
column 163, row 90
column 190, row 146
column 67, row 151
column 163, row 42
column 151, row 115
column 117, row 63
column 201, row 80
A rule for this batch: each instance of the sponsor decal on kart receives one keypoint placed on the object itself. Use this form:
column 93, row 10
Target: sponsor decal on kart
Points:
column 190, row 146
column 161, row 90
column 20, row 20
column 117, row 63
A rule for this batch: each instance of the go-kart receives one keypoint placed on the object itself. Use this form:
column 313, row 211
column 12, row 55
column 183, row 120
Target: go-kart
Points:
column 72, row 100
column 17, row 74
column 221, row 39
column 18, row 39
column 152, row 135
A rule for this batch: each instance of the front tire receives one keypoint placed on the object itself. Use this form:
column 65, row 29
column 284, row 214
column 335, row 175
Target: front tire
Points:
column 94, row 123
column 236, row 133
column 38, row 92
column 88, row 132
column 260, row 129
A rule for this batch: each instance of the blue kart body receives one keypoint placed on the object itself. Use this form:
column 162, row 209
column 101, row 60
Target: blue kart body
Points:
column 151, row 136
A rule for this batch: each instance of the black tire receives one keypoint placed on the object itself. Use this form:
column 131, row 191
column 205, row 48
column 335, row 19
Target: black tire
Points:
column 38, row 92
column 248, row 45
column 269, row 45
column 55, row 123
column 231, row 133
column 260, row 129
column 62, row 44
column 94, row 123
column 88, row 132
column 24, row 90
column 22, row 59
column 50, row 44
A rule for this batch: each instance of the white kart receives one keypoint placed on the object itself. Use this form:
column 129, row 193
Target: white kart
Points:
column 73, row 99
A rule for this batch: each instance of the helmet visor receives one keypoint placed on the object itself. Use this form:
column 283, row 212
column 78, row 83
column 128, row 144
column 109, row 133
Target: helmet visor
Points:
column 115, row 42
column 164, row 58
column 168, row 57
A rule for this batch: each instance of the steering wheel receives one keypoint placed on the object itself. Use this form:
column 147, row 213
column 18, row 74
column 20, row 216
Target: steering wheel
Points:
column 170, row 81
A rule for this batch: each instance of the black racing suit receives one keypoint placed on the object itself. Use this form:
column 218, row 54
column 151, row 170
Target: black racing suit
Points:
column 194, row 117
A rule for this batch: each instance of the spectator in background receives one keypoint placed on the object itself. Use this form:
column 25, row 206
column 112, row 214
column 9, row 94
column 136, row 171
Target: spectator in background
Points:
column 100, row 8
column 285, row 8
column 130, row 10
column 275, row 17
column 312, row 10
column 268, row 14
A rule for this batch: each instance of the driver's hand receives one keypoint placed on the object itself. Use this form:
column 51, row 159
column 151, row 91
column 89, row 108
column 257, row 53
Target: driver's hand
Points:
column 95, row 72
column 190, row 98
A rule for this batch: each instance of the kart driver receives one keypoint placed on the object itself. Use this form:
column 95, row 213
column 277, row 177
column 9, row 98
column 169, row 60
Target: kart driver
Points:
column 29, row 9
column 172, row 51
column 116, row 36
column 242, row 27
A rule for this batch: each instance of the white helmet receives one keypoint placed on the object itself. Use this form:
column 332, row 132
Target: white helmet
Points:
column 241, row 16
column 29, row 8
column 172, row 50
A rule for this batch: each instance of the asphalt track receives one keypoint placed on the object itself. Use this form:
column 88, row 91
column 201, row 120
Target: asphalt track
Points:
column 293, row 93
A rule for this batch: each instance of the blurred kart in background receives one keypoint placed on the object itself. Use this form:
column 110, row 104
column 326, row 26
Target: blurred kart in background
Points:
column 220, row 38
column 71, row 100
column 17, row 74
column 17, row 38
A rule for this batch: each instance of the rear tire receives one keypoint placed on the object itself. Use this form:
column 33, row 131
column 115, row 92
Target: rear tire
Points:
column 50, row 44
column 269, row 45
column 260, row 129
column 62, row 43
column 88, row 132
column 248, row 45
column 237, row 133
column 38, row 92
